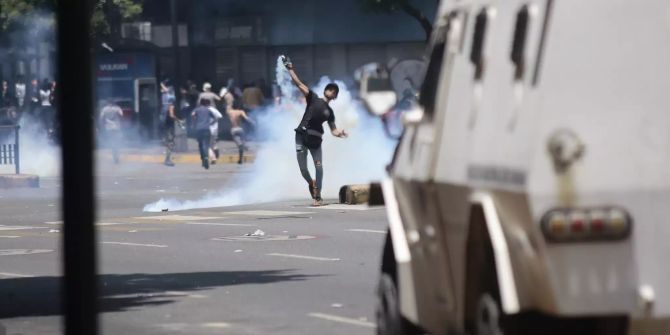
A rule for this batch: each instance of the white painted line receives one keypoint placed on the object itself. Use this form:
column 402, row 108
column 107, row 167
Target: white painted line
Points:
column 220, row 224
column 218, row 325
column 137, row 244
column 342, row 319
column 14, row 275
column 19, row 227
column 347, row 207
column 53, row 222
column 10, row 236
column 368, row 231
column 304, row 257
column 178, row 218
column 109, row 223
column 266, row 213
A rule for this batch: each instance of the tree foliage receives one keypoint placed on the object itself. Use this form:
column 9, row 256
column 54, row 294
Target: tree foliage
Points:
column 15, row 12
column 392, row 6
column 109, row 14
column 106, row 18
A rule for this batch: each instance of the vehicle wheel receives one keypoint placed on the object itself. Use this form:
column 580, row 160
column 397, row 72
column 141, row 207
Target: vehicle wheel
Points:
column 389, row 319
column 490, row 319
column 488, row 316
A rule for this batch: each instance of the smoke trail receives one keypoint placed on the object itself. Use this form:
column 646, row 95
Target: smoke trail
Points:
column 361, row 158
column 38, row 155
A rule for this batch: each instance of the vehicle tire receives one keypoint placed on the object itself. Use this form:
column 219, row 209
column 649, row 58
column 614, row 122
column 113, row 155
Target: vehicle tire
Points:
column 389, row 319
column 490, row 319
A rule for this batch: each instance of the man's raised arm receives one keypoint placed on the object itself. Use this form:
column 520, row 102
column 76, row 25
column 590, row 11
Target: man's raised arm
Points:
column 289, row 66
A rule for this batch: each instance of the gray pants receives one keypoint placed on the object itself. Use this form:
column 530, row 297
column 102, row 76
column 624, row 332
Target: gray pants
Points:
column 238, row 137
column 301, row 150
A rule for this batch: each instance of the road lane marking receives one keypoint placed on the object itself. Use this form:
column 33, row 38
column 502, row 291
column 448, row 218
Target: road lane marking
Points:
column 137, row 244
column 368, row 231
column 304, row 257
column 16, row 252
column 13, row 236
column 2, row 227
column 218, row 325
column 15, row 275
column 53, row 222
column 220, row 224
column 178, row 218
column 342, row 319
column 347, row 207
column 266, row 213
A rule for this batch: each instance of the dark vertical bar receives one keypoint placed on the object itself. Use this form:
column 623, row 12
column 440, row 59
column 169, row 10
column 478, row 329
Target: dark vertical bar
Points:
column 75, row 115
column 3, row 154
column 543, row 40
column 175, row 49
column 17, row 160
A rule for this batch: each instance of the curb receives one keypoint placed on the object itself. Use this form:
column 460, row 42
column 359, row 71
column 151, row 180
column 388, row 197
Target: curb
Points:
column 8, row 181
column 177, row 158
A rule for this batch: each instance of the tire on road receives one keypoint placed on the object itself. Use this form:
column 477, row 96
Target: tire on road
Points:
column 389, row 319
column 484, row 313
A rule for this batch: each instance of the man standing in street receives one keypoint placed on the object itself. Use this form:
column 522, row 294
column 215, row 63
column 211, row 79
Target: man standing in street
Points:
column 203, row 116
column 20, row 94
column 308, row 135
column 167, row 118
column 110, row 119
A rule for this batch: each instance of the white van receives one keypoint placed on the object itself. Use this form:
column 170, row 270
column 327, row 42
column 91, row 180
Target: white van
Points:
column 528, row 192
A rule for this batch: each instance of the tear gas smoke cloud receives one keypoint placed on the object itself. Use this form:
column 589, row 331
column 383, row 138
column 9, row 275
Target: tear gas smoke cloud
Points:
column 38, row 155
column 360, row 158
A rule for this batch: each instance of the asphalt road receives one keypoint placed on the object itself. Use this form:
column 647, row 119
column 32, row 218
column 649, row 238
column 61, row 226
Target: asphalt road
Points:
column 194, row 272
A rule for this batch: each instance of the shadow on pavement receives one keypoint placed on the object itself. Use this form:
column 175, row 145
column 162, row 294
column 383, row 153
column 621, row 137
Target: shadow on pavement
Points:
column 40, row 296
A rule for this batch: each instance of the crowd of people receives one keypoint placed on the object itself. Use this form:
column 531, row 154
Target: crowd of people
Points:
column 35, row 98
column 201, row 110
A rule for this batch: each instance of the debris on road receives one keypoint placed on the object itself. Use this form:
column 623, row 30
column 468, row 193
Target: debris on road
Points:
column 257, row 233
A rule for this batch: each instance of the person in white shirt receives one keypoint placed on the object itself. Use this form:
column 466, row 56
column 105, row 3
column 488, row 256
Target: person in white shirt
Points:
column 110, row 119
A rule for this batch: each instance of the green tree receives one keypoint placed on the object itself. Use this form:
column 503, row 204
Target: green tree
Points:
column 392, row 6
column 108, row 15
column 16, row 12
column 106, row 18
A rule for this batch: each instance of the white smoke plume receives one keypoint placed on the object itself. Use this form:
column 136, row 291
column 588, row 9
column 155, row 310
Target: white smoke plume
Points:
column 360, row 158
column 38, row 155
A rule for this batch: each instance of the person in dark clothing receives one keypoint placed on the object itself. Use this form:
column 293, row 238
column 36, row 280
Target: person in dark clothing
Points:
column 168, row 117
column 309, row 133
column 33, row 97
column 6, row 97
column 203, row 116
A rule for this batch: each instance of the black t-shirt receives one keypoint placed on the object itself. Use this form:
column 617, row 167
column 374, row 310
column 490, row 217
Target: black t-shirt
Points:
column 316, row 113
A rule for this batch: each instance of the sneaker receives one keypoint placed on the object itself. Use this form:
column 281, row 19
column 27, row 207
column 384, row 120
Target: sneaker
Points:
column 312, row 189
column 206, row 166
column 213, row 162
column 168, row 163
column 317, row 202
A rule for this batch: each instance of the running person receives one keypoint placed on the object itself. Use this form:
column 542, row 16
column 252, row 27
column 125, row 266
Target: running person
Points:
column 309, row 133
column 236, row 131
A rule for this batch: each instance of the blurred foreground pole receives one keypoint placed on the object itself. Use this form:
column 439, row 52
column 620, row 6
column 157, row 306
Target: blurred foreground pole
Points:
column 79, row 290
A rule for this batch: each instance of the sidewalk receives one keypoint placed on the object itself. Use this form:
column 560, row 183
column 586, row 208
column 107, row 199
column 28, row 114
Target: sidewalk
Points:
column 155, row 153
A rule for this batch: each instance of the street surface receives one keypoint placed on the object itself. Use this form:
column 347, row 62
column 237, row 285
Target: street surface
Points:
column 194, row 272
